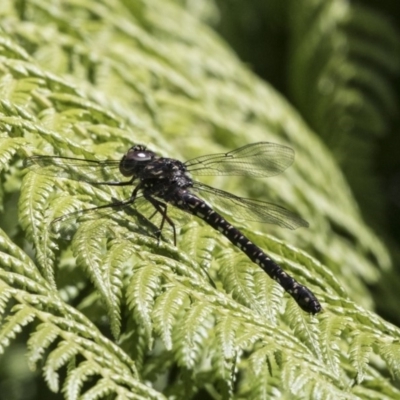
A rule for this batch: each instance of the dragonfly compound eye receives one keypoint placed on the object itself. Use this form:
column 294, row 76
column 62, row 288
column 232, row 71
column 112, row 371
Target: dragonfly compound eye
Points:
column 134, row 160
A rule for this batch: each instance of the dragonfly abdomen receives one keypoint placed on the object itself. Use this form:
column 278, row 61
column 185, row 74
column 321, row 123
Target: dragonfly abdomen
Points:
column 302, row 295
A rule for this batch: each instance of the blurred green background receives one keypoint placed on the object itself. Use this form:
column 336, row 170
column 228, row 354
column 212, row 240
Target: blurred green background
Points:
column 338, row 63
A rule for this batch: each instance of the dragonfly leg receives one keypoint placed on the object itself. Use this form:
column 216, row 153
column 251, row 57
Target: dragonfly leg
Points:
column 162, row 209
column 152, row 215
column 115, row 203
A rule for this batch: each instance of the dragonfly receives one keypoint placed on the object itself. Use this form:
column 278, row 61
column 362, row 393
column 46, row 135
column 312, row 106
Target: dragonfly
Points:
column 163, row 181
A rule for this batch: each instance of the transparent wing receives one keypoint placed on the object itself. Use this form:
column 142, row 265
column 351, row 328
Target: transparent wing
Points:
column 73, row 168
column 249, row 209
column 122, row 214
column 261, row 159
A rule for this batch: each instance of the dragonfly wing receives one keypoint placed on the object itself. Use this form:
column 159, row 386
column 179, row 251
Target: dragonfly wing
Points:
column 72, row 168
column 249, row 209
column 261, row 159
column 117, row 213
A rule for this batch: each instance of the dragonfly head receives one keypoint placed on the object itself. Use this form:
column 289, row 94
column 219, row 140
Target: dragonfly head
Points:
column 135, row 159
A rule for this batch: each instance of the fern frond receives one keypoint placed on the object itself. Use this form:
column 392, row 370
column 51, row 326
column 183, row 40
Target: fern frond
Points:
column 191, row 334
column 269, row 296
column 77, row 337
column 360, row 351
column 344, row 57
column 238, row 279
column 226, row 355
column 9, row 148
column 57, row 359
column 90, row 253
column 141, row 293
column 76, row 379
column 300, row 381
column 5, row 296
column 263, row 358
column 261, row 386
column 32, row 218
column 102, row 389
column 225, row 330
column 306, row 330
column 115, row 262
column 165, row 312
column 39, row 342
column 330, row 333
column 198, row 244
column 13, row 325
column 389, row 350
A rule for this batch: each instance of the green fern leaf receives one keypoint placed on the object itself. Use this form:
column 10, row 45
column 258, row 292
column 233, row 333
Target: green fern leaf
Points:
column 117, row 259
column 8, row 148
column 225, row 358
column 225, row 330
column 32, row 205
column 58, row 358
column 5, row 295
column 39, row 341
column 331, row 330
column 306, row 329
column 198, row 242
column 262, row 386
column 237, row 278
column 343, row 57
column 360, row 350
column 390, row 352
column 104, row 268
column 258, row 359
column 269, row 296
column 165, row 312
column 141, row 292
column 21, row 316
column 102, row 389
column 76, row 379
column 191, row 333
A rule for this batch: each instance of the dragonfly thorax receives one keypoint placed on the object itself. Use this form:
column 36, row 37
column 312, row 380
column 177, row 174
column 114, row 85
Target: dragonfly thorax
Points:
column 165, row 174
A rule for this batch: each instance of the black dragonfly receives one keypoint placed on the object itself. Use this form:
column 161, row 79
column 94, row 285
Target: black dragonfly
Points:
column 163, row 181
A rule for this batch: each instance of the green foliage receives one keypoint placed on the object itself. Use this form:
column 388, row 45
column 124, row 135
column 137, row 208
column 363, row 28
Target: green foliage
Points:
column 116, row 313
column 344, row 59
column 338, row 62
